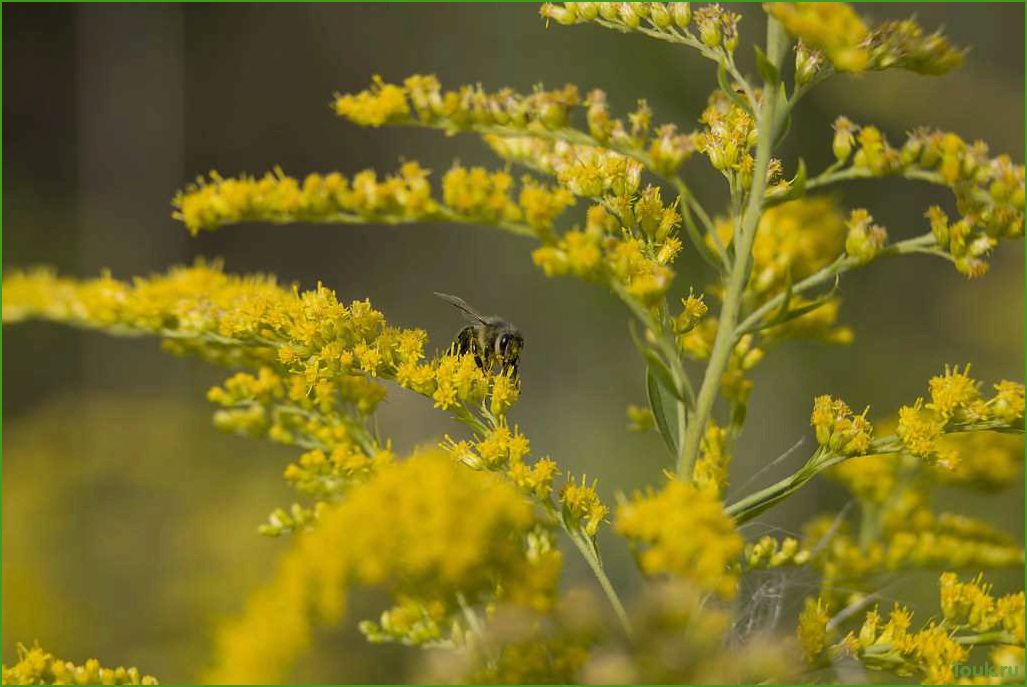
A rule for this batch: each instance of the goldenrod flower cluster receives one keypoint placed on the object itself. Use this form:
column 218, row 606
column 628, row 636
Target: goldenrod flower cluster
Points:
column 682, row 530
column 425, row 529
column 769, row 552
column 968, row 612
column 987, row 460
column 670, row 21
column 970, row 605
column 468, row 195
column 421, row 101
column 839, row 429
column 989, row 191
column 605, row 252
column 851, row 46
column 794, row 240
column 711, row 469
column 910, row 536
column 834, row 28
column 582, row 508
column 38, row 667
column 956, row 402
column 585, row 170
column 462, row 539
column 729, row 137
column 864, row 239
column 812, row 629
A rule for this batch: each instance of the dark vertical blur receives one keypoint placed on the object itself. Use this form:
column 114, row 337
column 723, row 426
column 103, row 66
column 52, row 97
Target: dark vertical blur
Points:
column 108, row 109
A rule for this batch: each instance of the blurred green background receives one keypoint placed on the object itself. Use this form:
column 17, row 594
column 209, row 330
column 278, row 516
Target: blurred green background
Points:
column 129, row 522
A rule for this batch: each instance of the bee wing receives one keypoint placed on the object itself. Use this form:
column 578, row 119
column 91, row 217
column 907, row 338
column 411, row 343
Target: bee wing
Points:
column 461, row 305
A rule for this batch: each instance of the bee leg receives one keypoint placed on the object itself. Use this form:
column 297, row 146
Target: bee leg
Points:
column 467, row 342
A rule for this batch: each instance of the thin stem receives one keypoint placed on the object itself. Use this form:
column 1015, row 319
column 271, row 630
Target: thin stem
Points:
column 920, row 244
column 984, row 638
column 747, row 508
column 593, row 561
column 725, row 340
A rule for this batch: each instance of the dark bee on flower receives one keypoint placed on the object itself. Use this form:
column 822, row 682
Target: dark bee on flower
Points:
column 495, row 343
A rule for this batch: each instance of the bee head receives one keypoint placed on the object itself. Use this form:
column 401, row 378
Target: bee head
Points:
column 508, row 345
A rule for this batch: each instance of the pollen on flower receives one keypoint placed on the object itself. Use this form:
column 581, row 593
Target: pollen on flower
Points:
column 655, row 521
column 839, row 429
column 920, row 428
column 582, row 507
column 812, row 629
column 38, row 667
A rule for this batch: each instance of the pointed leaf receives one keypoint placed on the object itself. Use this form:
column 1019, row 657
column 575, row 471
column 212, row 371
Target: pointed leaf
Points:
column 767, row 69
column 659, row 409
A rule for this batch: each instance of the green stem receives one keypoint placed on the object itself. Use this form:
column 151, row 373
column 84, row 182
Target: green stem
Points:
column 752, row 505
column 724, row 342
column 920, row 244
column 592, row 558
column 983, row 638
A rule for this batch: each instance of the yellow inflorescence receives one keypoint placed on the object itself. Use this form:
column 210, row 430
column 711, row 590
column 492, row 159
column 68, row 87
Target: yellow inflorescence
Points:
column 711, row 469
column 933, row 652
column 422, row 528
column 38, row 667
column 989, row 191
column 468, row 195
column 851, row 46
column 812, row 629
column 603, row 251
column 682, row 530
column 832, row 27
column 794, row 240
column 839, row 429
column 582, row 507
column 422, row 101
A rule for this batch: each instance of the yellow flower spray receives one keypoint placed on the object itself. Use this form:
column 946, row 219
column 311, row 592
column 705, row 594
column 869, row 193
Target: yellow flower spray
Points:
column 466, row 537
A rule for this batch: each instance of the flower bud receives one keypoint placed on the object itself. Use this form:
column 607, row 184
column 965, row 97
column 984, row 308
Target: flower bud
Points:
column 681, row 13
column 660, row 16
column 587, row 11
column 628, row 15
column 864, row 240
column 609, row 10
column 709, row 33
column 807, row 64
column 843, row 139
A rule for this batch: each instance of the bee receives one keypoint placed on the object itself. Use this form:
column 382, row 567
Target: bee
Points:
column 495, row 343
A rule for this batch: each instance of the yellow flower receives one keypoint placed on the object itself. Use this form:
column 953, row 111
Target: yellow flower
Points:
column 505, row 392
column 833, row 27
column 710, row 472
column 869, row 478
column 582, row 507
column 812, row 630
column 794, row 240
column 424, row 528
column 919, row 429
column 38, row 667
column 382, row 104
column 839, row 429
column 682, row 530
column 955, row 394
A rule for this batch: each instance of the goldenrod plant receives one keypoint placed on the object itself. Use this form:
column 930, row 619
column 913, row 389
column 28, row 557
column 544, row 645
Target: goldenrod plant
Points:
column 468, row 537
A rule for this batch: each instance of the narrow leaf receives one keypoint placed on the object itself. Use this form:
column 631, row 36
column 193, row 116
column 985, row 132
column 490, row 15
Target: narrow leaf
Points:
column 659, row 409
column 767, row 69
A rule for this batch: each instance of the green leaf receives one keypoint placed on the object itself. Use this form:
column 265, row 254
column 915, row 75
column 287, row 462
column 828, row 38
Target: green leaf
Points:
column 659, row 407
column 729, row 91
column 656, row 365
column 767, row 69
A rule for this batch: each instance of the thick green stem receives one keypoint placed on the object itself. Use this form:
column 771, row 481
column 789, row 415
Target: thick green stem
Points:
column 767, row 122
